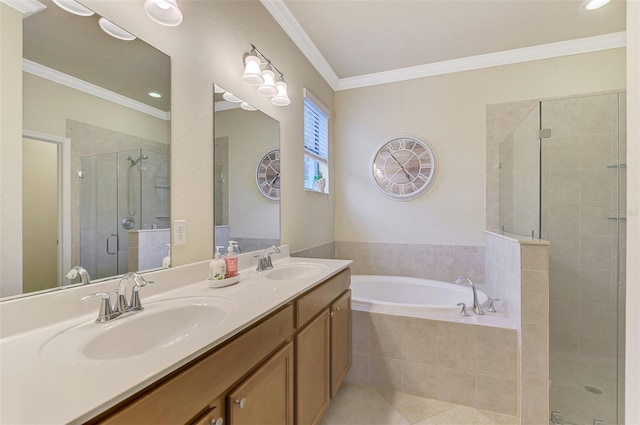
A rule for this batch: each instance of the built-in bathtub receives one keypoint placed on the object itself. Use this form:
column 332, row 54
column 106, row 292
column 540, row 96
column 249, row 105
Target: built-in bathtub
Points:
column 404, row 295
column 408, row 336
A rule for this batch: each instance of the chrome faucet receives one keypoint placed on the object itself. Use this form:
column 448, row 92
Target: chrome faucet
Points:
column 264, row 262
column 107, row 311
column 476, row 304
column 79, row 270
column 124, row 306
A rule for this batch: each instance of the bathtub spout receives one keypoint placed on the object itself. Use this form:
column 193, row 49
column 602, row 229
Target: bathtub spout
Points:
column 476, row 305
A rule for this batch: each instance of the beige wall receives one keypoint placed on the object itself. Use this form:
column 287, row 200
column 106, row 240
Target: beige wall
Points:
column 40, row 217
column 250, row 136
column 48, row 105
column 10, row 147
column 449, row 111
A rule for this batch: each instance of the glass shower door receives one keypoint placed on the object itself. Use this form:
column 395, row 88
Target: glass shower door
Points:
column 519, row 177
column 581, row 219
column 98, row 215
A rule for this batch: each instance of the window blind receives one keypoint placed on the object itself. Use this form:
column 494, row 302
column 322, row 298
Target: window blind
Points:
column 316, row 130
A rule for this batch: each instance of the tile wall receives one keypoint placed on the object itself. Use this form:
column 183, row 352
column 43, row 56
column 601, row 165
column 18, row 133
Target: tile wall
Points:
column 439, row 262
column 518, row 272
column 147, row 248
column 465, row 364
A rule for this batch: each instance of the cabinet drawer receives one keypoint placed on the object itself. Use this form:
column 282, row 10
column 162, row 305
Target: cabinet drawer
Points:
column 214, row 416
column 319, row 298
column 179, row 399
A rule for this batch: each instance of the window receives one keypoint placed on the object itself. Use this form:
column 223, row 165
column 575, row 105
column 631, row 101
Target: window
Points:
column 316, row 145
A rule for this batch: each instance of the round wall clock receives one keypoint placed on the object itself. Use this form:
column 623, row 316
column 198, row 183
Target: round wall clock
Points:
column 268, row 175
column 404, row 168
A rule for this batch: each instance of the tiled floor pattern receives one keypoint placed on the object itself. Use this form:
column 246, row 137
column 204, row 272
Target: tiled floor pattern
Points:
column 357, row 404
column 570, row 373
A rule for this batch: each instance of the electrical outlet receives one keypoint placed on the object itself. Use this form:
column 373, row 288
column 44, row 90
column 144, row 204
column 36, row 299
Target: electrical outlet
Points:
column 179, row 232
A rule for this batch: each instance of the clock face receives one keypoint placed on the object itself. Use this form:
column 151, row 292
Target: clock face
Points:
column 268, row 175
column 404, row 168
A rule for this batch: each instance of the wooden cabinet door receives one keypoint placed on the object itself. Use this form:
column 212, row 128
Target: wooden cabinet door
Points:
column 214, row 416
column 340, row 340
column 265, row 397
column 312, row 371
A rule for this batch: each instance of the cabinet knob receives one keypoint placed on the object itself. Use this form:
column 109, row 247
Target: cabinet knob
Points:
column 218, row 421
column 337, row 308
column 240, row 403
column 331, row 314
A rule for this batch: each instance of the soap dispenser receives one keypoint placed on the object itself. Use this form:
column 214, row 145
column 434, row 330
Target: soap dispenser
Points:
column 218, row 266
column 166, row 261
column 231, row 258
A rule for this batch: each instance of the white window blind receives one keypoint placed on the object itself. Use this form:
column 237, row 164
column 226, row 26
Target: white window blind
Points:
column 316, row 130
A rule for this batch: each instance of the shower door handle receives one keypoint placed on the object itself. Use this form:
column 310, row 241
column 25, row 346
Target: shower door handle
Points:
column 117, row 243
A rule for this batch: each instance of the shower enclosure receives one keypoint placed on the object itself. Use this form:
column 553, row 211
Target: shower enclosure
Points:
column 119, row 192
column 562, row 178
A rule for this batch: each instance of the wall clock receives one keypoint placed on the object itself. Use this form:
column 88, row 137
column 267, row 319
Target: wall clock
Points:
column 268, row 175
column 404, row 168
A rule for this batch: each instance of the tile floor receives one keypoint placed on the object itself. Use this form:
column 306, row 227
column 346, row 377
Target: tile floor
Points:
column 357, row 404
column 570, row 373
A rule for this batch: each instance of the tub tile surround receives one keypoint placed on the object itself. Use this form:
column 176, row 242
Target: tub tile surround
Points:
column 518, row 271
column 438, row 262
column 447, row 361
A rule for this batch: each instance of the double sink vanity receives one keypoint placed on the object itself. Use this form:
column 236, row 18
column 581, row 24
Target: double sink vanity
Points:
column 273, row 348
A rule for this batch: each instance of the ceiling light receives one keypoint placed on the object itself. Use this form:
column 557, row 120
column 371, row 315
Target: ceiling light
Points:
column 268, row 88
column 155, row 94
column 252, row 74
column 594, row 4
column 164, row 12
column 74, row 7
column 282, row 98
column 115, row 31
column 228, row 96
column 248, row 107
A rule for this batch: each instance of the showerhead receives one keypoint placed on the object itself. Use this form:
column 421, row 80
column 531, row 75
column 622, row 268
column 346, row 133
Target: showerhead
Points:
column 133, row 163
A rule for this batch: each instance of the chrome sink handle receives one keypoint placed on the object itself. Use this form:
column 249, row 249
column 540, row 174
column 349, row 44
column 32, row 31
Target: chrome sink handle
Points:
column 123, row 305
column 138, row 282
column 106, row 312
column 264, row 262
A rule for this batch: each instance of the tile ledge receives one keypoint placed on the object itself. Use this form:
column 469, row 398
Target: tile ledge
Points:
column 522, row 240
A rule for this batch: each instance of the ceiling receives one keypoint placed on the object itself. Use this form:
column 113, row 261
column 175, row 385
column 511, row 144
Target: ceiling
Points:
column 363, row 37
column 76, row 46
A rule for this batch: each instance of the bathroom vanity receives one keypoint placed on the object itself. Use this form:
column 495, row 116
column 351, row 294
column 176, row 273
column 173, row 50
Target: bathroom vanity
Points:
column 279, row 356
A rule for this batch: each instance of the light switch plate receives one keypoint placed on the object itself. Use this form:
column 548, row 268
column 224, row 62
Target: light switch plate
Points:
column 179, row 232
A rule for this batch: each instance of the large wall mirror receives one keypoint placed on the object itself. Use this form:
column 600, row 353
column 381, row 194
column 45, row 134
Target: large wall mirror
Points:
column 95, row 151
column 246, row 174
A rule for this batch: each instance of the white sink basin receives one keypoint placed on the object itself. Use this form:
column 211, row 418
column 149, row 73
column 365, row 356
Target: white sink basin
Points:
column 295, row 271
column 162, row 325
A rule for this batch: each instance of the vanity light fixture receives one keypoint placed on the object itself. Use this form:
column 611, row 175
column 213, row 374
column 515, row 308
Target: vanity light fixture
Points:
column 229, row 97
column 248, row 107
column 115, row 31
column 164, row 12
column 260, row 71
column 155, row 94
column 594, row 4
column 217, row 89
column 74, row 7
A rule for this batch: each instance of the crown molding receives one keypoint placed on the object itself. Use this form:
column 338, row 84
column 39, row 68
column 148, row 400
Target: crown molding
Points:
column 97, row 91
column 507, row 57
column 25, row 7
column 294, row 30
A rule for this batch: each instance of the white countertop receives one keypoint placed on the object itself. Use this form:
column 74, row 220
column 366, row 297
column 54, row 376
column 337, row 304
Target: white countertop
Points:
column 38, row 388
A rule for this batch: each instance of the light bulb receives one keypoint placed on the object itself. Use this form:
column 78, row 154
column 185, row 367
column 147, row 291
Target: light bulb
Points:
column 594, row 4
column 164, row 12
column 252, row 74
column 229, row 97
column 268, row 88
column 282, row 98
column 248, row 107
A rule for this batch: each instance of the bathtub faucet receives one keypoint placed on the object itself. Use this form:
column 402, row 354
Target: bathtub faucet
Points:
column 476, row 304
